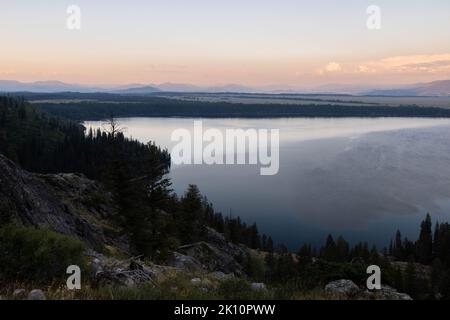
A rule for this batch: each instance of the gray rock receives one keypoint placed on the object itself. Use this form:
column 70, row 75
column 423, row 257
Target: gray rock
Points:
column 215, row 254
column 388, row 293
column 258, row 286
column 69, row 204
column 19, row 294
column 129, row 272
column 218, row 275
column 185, row 262
column 36, row 294
column 96, row 266
column 196, row 282
column 342, row 287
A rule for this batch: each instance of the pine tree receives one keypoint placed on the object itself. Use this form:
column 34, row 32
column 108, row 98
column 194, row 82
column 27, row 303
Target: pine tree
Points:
column 425, row 243
column 398, row 246
column 270, row 244
column 191, row 214
column 305, row 252
column 329, row 252
column 342, row 249
column 255, row 240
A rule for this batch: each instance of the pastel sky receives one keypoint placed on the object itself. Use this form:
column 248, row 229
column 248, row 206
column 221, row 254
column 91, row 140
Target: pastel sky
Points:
column 209, row 42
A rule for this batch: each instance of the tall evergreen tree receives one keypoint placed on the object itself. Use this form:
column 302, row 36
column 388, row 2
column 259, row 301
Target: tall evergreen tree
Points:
column 425, row 243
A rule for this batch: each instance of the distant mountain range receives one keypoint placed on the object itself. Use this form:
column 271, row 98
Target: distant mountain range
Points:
column 137, row 90
column 436, row 88
column 58, row 86
column 44, row 86
column 182, row 87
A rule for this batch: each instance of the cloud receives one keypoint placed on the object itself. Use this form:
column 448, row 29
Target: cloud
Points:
column 366, row 69
column 333, row 67
column 409, row 64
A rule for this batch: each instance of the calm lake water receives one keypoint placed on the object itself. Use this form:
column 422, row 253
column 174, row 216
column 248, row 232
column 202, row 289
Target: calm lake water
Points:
column 357, row 177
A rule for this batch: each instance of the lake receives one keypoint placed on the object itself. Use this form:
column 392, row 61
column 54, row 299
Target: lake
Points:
column 362, row 178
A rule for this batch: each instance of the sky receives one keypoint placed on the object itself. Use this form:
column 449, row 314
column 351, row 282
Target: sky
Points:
column 265, row 43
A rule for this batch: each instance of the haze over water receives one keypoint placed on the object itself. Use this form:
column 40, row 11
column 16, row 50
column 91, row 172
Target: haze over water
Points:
column 360, row 177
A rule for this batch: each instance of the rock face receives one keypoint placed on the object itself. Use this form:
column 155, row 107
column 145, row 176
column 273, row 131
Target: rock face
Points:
column 69, row 204
column 73, row 205
column 214, row 254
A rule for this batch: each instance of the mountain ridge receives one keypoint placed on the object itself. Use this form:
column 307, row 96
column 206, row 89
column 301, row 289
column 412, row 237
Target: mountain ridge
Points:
column 440, row 88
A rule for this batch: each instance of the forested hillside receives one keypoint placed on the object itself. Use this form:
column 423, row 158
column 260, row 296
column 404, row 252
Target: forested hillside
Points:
column 82, row 107
column 150, row 214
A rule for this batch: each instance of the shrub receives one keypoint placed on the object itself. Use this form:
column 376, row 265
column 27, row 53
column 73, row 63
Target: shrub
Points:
column 27, row 253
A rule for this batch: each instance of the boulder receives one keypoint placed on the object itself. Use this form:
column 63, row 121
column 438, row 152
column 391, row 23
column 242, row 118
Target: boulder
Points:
column 96, row 266
column 213, row 254
column 19, row 294
column 218, row 275
column 185, row 262
column 196, row 282
column 257, row 286
column 342, row 287
column 388, row 293
column 36, row 294
column 130, row 272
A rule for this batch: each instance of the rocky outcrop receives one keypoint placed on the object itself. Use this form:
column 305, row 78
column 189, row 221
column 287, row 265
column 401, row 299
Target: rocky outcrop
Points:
column 213, row 254
column 185, row 262
column 69, row 204
column 347, row 289
column 342, row 287
column 73, row 205
column 387, row 293
column 127, row 272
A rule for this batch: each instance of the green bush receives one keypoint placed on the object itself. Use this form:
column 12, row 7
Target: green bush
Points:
column 27, row 253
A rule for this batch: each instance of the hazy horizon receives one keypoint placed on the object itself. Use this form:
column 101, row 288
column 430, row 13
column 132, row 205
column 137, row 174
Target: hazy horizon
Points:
column 208, row 43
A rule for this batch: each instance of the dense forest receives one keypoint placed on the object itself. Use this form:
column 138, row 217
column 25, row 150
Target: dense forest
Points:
column 98, row 106
column 157, row 221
